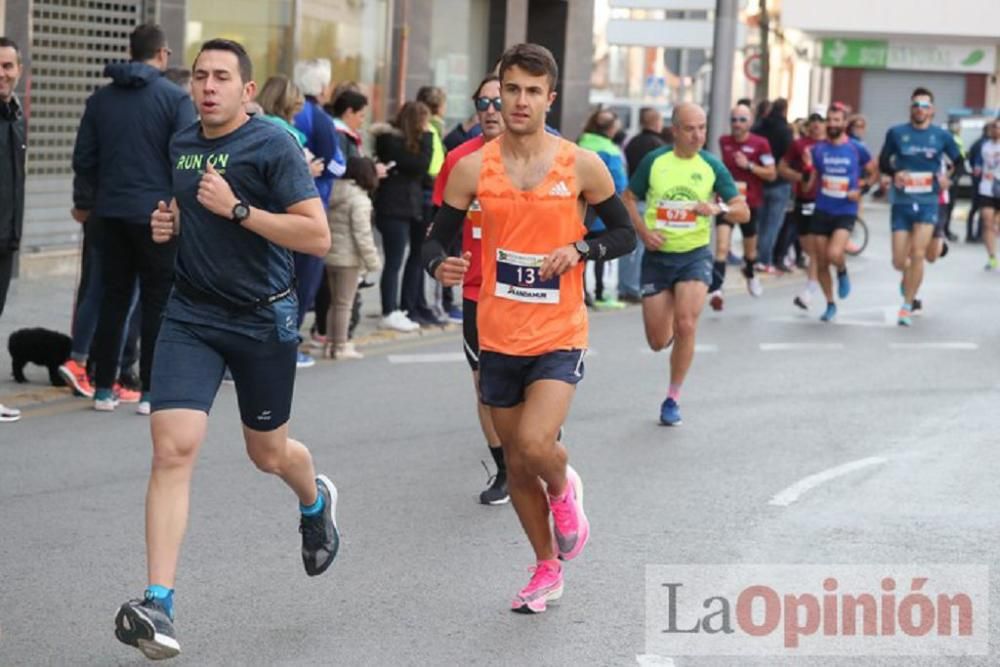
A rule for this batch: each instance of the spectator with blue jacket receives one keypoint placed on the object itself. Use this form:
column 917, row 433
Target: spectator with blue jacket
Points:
column 314, row 79
column 597, row 137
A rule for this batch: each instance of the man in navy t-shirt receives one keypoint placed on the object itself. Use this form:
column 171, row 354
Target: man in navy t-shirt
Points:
column 840, row 168
column 243, row 200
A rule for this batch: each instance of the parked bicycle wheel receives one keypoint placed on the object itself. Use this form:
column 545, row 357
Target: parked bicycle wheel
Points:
column 858, row 241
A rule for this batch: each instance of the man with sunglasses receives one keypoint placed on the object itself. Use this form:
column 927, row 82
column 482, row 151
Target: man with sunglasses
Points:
column 912, row 156
column 488, row 105
column 748, row 158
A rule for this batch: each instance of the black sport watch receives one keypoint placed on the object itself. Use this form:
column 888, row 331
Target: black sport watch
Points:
column 240, row 212
column 583, row 248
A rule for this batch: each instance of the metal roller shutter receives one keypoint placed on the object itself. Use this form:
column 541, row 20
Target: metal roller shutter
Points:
column 72, row 40
column 885, row 96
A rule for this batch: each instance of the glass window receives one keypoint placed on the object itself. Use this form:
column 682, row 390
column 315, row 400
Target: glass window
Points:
column 351, row 34
column 458, row 53
column 263, row 27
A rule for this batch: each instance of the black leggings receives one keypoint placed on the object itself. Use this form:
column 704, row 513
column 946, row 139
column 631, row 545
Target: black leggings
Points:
column 395, row 237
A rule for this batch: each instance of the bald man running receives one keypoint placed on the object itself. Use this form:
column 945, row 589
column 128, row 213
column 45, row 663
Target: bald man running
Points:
column 680, row 186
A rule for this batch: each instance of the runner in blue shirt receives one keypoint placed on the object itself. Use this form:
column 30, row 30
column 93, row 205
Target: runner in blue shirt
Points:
column 840, row 167
column 912, row 155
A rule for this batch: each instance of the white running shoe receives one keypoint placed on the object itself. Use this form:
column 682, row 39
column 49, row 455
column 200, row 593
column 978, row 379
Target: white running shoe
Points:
column 9, row 414
column 754, row 287
column 398, row 321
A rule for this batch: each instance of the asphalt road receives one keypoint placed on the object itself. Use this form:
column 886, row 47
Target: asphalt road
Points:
column 425, row 574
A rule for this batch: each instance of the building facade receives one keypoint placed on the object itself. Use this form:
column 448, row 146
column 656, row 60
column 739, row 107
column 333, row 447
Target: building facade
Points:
column 390, row 47
column 875, row 55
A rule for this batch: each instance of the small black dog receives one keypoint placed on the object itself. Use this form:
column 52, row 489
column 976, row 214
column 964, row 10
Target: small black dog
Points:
column 39, row 346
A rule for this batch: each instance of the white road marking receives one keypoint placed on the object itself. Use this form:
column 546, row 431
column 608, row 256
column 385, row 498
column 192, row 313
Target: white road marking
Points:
column 782, row 347
column 651, row 660
column 806, row 484
column 446, row 357
column 698, row 347
column 944, row 345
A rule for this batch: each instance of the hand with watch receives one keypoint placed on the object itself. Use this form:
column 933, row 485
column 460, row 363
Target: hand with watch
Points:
column 710, row 209
column 215, row 194
column 563, row 259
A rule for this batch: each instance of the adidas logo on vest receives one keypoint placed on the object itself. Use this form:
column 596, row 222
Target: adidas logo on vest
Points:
column 560, row 190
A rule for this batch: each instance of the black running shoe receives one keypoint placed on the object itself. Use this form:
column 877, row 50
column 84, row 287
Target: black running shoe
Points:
column 496, row 493
column 917, row 305
column 146, row 625
column 320, row 537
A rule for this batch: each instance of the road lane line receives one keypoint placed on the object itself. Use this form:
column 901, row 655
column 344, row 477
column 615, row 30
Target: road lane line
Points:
column 783, row 347
column 943, row 345
column 652, row 660
column 443, row 357
column 698, row 347
column 806, row 484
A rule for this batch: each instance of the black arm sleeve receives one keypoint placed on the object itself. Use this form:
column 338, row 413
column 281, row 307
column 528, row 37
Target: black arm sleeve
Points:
column 619, row 237
column 447, row 222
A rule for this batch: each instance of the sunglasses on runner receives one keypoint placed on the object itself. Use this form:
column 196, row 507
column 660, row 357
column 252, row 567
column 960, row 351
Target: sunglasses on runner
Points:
column 483, row 103
column 920, row 104
column 739, row 119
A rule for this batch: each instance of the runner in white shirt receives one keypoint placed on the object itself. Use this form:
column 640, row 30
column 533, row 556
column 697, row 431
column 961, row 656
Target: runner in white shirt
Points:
column 987, row 168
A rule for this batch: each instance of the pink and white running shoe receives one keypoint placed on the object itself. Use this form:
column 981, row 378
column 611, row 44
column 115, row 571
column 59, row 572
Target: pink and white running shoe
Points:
column 570, row 525
column 546, row 584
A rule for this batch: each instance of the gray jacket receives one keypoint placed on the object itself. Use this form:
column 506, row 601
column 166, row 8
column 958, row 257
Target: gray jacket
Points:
column 13, row 149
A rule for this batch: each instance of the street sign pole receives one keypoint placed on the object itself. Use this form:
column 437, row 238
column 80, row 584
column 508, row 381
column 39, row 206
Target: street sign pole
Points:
column 723, row 54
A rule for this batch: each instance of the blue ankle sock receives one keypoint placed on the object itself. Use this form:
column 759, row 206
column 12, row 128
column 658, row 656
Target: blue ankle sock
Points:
column 164, row 596
column 315, row 508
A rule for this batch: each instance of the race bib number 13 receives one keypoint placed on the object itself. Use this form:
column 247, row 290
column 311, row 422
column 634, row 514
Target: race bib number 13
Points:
column 518, row 279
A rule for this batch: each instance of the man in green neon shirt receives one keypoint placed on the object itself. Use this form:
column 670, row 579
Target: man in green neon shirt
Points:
column 680, row 185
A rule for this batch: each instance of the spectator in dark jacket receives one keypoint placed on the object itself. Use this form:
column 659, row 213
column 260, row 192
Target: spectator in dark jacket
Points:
column 122, row 170
column 13, row 142
column 12, row 153
column 773, row 127
column 348, row 112
column 399, row 204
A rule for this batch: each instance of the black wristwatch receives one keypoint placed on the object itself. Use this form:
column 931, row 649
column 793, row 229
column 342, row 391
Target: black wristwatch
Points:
column 583, row 248
column 240, row 212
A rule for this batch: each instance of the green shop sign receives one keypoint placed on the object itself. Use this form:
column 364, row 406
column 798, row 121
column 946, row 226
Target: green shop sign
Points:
column 883, row 54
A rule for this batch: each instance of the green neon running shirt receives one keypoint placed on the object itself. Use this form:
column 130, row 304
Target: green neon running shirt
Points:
column 670, row 185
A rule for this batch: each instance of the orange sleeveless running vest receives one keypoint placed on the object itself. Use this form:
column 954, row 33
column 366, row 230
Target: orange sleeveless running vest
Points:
column 519, row 313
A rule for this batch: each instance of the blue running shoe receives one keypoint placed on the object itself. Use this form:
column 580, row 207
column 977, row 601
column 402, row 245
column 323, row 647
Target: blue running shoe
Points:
column 455, row 315
column 843, row 285
column 303, row 360
column 829, row 314
column 670, row 413
column 146, row 625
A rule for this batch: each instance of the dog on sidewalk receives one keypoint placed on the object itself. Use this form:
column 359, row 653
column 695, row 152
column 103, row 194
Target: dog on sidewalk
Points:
column 39, row 346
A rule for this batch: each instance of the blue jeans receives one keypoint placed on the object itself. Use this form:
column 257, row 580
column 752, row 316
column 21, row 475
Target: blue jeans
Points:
column 308, row 276
column 88, row 302
column 772, row 216
column 630, row 266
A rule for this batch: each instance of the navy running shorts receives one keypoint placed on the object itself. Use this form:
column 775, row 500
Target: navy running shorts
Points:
column 804, row 212
column 189, row 362
column 662, row 270
column 503, row 378
column 904, row 216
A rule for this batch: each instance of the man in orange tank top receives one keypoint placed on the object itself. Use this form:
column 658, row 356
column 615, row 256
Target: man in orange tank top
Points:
column 532, row 190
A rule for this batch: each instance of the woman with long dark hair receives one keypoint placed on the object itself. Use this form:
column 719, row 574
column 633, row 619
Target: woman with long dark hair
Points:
column 407, row 145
